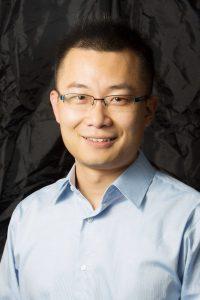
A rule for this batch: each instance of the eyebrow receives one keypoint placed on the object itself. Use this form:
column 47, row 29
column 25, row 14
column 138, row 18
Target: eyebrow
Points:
column 120, row 86
column 77, row 85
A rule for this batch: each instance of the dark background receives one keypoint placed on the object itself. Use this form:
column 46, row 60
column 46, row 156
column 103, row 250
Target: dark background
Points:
column 32, row 154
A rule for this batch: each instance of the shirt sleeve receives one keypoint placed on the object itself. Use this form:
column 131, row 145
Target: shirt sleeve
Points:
column 191, row 276
column 9, row 287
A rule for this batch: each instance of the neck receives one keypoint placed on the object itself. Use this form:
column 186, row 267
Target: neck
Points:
column 93, row 183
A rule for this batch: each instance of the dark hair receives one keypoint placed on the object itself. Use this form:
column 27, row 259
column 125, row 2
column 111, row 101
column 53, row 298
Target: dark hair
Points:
column 108, row 35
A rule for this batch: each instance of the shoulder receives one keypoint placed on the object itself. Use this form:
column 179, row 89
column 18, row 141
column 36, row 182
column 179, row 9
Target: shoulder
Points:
column 38, row 200
column 165, row 188
column 172, row 205
column 173, row 193
column 174, row 186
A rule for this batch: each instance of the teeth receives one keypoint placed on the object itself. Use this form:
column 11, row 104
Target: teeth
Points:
column 98, row 140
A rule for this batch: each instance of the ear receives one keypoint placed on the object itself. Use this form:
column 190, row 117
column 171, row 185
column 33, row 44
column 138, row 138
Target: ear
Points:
column 55, row 104
column 151, row 105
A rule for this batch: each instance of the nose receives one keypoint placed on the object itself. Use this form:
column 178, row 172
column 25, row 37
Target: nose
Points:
column 98, row 115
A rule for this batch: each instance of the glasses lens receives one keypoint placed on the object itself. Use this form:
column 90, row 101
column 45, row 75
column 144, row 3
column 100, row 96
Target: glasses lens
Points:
column 119, row 100
column 79, row 101
column 120, row 103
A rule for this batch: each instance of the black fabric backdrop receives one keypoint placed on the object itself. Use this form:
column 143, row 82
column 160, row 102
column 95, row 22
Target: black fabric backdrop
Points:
column 32, row 154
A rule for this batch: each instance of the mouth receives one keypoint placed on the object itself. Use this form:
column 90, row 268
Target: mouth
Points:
column 103, row 142
column 99, row 140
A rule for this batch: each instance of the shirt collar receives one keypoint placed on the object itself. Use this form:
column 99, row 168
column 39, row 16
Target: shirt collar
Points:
column 135, row 180
column 64, row 185
column 133, row 183
column 71, row 176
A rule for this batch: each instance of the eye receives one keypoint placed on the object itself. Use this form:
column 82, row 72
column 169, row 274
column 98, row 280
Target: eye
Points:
column 119, row 100
column 81, row 97
column 78, row 99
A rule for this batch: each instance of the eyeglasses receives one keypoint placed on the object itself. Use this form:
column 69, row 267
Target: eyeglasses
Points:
column 115, row 102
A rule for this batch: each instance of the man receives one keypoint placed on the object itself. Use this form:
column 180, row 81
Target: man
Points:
column 115, row 227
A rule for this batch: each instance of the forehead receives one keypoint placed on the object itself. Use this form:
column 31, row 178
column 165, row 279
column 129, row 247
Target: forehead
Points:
column 106, row 67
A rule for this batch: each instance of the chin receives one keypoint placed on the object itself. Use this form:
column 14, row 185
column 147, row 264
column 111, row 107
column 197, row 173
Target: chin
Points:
column 96, row 163
column 102, row 164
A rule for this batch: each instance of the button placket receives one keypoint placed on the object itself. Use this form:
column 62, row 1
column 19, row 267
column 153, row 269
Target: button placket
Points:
column 83, row 267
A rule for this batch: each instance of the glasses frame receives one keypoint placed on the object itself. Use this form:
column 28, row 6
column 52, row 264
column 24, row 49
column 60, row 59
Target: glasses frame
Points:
column 135, row 99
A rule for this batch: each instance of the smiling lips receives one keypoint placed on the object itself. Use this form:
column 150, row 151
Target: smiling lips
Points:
column 99, row 140
column 100, row 143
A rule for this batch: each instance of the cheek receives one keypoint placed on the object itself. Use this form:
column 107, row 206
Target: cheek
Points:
column 69, row 119
column 132, row 124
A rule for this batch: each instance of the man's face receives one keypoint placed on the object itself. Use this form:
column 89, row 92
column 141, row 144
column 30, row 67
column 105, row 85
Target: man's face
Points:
column 99, row 74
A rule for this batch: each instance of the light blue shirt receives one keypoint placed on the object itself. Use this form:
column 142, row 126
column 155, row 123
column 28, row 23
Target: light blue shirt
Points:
column 141, row 243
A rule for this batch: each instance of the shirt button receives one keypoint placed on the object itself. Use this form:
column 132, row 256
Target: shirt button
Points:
column 83, row 267
column 90, row 220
